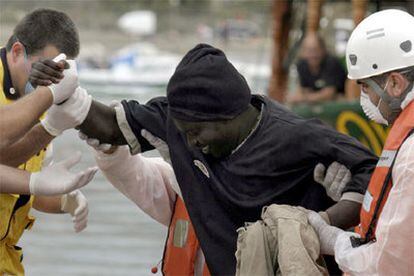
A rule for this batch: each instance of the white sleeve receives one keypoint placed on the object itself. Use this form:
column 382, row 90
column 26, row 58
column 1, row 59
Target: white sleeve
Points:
column 393, row 251
column 145, row 181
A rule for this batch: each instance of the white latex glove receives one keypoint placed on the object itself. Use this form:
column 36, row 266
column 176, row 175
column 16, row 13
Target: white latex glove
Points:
column 157, row 143
column 69, row 114
column 327, row 234
column 335, row 179
column 76, row 204
column 94, row 143
column 66, row 87
column 56, row 179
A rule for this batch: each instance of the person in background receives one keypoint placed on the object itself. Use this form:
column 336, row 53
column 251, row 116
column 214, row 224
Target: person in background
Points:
column 380, row 57
column 321, row 75
column 41, row 34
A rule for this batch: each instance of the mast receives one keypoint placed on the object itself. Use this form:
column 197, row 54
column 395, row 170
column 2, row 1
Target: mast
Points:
column 281, row 27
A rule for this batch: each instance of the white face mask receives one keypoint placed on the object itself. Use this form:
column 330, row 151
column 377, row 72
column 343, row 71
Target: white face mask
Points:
column 371, row 110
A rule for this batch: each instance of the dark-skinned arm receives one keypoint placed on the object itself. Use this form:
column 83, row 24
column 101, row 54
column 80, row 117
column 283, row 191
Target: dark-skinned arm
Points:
column 344, row 214
column 328, row 146
column 101, row 124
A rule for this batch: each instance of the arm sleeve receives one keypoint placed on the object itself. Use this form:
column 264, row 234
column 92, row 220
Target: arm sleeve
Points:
column 145, row 181
column 132, row 117
column 329, row 145
column 392, row 253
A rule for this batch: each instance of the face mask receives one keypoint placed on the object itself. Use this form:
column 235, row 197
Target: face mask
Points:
column 371, row 110
column 28, row 88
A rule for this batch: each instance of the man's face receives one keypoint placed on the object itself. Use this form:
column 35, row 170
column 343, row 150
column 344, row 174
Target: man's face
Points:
column 212, row 138
column 374, row 98
column 22, row 63
column 365, row 88
column 312, row 51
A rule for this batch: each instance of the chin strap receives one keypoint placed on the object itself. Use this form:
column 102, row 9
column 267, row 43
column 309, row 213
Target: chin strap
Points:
column 393, row 103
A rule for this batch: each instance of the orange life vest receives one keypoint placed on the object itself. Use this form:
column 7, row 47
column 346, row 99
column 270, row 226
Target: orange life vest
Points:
column 381, row 180
column 182, row 244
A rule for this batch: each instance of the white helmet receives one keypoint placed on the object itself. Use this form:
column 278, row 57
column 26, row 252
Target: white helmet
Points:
column 382, row 42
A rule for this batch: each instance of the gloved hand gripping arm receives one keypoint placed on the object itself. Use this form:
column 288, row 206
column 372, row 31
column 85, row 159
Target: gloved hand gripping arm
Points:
column 100, row 122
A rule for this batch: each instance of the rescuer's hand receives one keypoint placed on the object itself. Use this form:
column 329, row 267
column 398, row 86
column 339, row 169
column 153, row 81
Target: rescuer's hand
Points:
column 327, row 234
column 76, row 204
column 56, row 179
column 69, row 114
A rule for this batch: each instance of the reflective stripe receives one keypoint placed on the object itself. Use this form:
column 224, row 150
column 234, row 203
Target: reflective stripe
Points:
column 134, row 145
column 367, row 201
column 202, row 167
column 180, row 233
column 386, row 158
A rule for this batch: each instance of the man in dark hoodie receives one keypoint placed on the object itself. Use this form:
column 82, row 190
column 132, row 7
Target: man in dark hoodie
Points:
column 232, row 152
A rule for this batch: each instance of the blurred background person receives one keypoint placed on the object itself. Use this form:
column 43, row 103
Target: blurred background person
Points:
column 321, row 75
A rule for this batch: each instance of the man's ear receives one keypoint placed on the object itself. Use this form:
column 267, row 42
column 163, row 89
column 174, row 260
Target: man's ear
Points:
column 17, row 50
column 398, row 84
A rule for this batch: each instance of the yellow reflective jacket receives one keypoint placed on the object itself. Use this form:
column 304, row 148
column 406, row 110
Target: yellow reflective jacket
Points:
column 14, row 209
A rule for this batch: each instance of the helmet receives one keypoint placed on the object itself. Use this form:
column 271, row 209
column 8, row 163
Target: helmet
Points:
column 382, row 42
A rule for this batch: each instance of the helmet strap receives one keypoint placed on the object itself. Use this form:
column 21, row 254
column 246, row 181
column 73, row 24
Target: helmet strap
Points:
column 393, row 103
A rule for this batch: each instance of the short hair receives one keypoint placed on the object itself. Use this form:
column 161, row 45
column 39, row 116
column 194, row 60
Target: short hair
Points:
column 407, row 72
column 44, row 27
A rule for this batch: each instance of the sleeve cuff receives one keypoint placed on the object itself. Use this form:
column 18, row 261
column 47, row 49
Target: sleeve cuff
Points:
column 353, row 196
column 134, row 145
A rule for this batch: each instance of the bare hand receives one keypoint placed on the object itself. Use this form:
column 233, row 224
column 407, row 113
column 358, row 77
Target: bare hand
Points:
column 45, row 72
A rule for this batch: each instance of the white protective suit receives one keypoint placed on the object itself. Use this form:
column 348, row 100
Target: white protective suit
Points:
column 149, row 182
column 393, row 251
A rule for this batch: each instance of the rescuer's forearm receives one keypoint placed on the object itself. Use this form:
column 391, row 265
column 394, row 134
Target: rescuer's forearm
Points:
column 21, row 151
column 19, row 117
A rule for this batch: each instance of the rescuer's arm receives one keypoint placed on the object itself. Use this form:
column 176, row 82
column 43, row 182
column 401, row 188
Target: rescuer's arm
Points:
column 21, row 151
column 52, row 180
column 148, row 182
column 19, row 117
